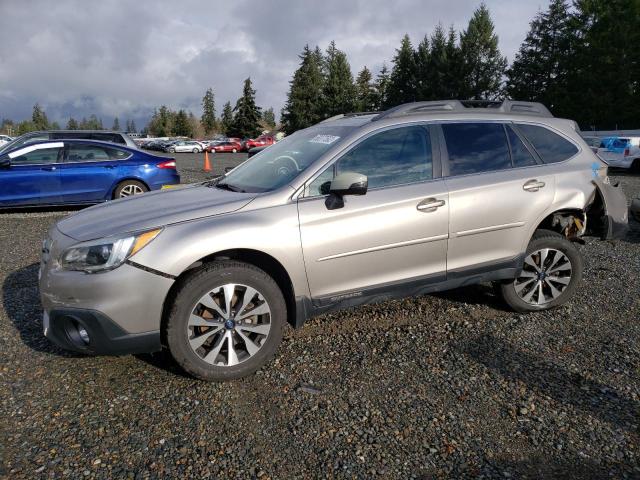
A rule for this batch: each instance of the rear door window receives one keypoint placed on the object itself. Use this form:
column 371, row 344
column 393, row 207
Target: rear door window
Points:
column 476, row 147
column 551, row 147
column 520, row 154
column 108, row 137
column 93, row 153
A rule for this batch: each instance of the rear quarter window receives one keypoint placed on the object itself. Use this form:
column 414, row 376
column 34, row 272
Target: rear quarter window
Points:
column 551, row 147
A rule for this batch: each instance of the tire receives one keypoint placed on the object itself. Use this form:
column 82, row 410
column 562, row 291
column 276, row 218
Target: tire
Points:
column 524, row 296
column 635, row 166
column 195, row 150
column 233, row 151
column 187, row 305
column 172, row 150
column 129, row 188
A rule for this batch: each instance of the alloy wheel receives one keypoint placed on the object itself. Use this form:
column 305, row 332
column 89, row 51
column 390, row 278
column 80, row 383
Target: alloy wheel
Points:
column 131, row 189
column 229, row 324
column 545, row 276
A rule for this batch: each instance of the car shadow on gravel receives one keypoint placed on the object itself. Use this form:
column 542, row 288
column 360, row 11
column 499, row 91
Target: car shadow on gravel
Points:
column 544, row 467
column 21, row 302
column 552, row 380
column 479, row 294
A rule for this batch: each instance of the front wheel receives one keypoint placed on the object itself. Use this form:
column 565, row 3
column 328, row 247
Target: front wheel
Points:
column 234, row 150
column 195, row 150
column 172, row 150
column 226, row 321
column 550, row 274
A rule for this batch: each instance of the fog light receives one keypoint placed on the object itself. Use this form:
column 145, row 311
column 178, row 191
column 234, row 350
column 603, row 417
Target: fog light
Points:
column 84, row 335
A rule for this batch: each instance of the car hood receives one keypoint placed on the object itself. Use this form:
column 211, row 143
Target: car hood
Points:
column 151, row 210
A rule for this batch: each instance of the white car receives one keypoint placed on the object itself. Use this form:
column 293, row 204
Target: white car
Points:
column 185, row 146
column 622, row 152
column 4, row 139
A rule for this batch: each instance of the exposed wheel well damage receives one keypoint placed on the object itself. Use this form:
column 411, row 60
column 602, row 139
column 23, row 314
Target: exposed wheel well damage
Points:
column 254, row 257
column 570, row 223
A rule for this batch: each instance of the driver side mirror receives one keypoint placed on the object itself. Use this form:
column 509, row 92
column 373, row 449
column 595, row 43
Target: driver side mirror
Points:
column 5, row 162
column 347, row 183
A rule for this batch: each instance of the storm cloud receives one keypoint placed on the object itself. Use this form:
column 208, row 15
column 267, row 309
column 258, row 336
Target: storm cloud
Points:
column 122, row 58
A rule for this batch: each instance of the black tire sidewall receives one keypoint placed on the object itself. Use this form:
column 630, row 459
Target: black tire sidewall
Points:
column 547, row 239
column 193, row 289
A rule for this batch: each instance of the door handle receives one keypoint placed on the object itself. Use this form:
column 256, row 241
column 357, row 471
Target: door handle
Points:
column 110, row 166
column 48, row 169
column 533, row 185
column 429, row 205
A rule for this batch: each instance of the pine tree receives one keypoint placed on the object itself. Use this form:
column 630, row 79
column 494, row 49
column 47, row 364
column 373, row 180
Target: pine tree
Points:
column 269, row 117
column 132, row 127
column 442, row 70
column 247, row 114
column 72, row 124
column 304, row 99
column 381, row 87
column 208, row 119
column 39, row 118
column 539, row 72
column 365, row 92
column 181, row 126
column 423, row 61
column 116, row 125
column 402, row 81
column 483, row 65
column 227, row 118
column 338, row 91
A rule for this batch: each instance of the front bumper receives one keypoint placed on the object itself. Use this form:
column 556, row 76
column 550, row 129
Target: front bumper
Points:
column 120, row 309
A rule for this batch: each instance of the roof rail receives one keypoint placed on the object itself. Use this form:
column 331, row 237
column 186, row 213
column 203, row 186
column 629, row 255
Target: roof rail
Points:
column 458, row 106
column 347, row 115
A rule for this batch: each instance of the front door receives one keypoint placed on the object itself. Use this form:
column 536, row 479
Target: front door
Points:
column 31, row 176
column 395, row 233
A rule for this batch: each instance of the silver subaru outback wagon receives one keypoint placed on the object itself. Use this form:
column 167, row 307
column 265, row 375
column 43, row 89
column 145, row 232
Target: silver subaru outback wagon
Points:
column 359, row 208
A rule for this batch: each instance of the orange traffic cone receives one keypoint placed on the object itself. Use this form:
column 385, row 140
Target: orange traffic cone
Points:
column 207, row 166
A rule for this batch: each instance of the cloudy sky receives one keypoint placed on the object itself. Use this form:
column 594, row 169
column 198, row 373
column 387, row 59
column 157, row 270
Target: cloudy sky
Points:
column 123, row 58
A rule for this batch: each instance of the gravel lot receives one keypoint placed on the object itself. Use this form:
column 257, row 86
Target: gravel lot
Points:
column 447, row 385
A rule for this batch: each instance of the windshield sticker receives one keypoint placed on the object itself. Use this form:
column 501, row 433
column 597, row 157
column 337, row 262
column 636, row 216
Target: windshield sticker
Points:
column 326, row 139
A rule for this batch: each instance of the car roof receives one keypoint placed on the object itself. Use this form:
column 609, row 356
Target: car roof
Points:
column 78, row 140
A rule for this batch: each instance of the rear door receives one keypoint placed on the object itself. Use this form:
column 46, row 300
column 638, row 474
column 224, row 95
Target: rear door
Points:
column 32, row 177
column 497, row 188
column 89, row 172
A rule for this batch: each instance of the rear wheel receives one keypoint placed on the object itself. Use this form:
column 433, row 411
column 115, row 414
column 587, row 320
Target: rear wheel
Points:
column 129, row 188
column 172, row 150
column 550, row 275
column 195, row 150
column 226, row 321
column 635, row 166
column 234, row 150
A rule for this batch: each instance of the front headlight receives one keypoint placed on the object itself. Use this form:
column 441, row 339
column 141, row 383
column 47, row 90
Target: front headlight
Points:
column 105, row 254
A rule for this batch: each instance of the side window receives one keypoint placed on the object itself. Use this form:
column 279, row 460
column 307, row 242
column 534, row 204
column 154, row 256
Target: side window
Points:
column 476, row 147
column 550, row 146
column 520, row 154
column 108, row 137
column 393, row 157
column 36, row 157
column 87, row 153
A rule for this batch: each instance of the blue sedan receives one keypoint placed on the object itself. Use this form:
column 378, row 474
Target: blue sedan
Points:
column 79, row 172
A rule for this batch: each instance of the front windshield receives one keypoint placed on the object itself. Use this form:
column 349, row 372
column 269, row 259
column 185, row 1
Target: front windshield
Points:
column 282, row 162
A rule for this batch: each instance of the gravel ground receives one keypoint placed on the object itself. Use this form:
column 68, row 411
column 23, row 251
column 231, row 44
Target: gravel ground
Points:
column 447, row 385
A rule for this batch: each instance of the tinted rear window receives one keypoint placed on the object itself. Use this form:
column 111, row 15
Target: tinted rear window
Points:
column 550, row 146
column 520, row 154
column 476, row 147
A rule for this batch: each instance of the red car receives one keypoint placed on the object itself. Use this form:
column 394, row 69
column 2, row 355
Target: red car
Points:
column 259, row 142
column 226, row 147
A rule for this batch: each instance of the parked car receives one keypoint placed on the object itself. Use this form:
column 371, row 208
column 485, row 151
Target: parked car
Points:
column 593, row 142
column 79, row 172
column 102, row 135
column 4, row 139
column 184, row 146
column 423, row 197
column 255, row 150
column 259, row 142
column 621, row 152
column 232, row 147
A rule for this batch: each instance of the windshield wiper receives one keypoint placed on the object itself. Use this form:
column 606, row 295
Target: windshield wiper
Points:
column 231, row 188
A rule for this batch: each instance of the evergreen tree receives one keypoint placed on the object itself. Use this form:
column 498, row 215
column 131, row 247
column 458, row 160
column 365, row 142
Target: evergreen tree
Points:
column 247, row 114
column 208, row 119
column 454, row 69
column 303, row 106
column 132, row 127
column 227, row 118
column 39, row 118
column 365, row 92
column 483, row 65
column 381, row 87
column 72, row 124
column 181, row 126
column 161, row 123
column 116, row 125
column 269, row 117
column 423, row 64
column 402, row 81
column 442, row 70
column 338, row 91
column 539, row 72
